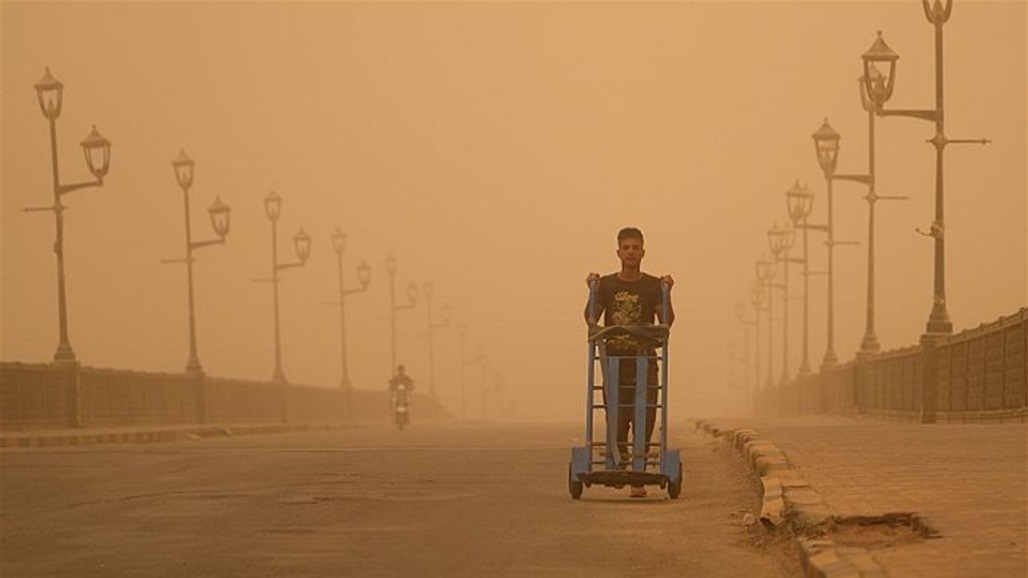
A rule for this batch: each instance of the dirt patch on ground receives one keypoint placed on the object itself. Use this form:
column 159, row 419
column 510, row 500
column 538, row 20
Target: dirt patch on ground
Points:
column 877, row 532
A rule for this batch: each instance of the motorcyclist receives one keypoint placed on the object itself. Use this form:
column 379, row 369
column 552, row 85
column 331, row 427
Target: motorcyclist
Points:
column 401, row 388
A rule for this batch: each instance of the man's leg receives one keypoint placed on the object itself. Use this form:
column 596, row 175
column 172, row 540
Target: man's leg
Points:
column 651, row 400
column 626, row 402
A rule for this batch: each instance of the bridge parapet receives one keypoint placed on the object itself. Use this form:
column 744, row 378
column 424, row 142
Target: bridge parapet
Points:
column 50, row 396
column 979, row 374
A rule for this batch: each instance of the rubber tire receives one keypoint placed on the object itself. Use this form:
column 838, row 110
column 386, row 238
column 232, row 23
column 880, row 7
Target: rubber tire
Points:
column 674, row 489
column 574, row 488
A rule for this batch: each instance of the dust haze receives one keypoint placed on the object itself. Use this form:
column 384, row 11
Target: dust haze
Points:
column 495, row 149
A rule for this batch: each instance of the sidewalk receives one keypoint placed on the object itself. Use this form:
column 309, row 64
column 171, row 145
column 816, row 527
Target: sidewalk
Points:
column 968, row 483
column 143, row 434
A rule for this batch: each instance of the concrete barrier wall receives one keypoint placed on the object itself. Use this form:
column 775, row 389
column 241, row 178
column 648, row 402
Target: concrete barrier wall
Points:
column 48, row 396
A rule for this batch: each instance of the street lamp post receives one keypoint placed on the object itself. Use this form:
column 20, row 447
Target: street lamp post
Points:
column 483, row 360
column 444, row 313
column 97, row 150
column 800, row 201
column 739, row 357
column 756, row 299
column 500, row 389
column 302, row 245
column 364, row 278
column 462, row 332
column 824, row 139
column 741, row 315
column 412, row 300
column 220, row 214
column 879, row 87
column 830, row 358
column 780, row 240
column 766, row 269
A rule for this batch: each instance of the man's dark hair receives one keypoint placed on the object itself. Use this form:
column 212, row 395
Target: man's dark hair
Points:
column 630, row 233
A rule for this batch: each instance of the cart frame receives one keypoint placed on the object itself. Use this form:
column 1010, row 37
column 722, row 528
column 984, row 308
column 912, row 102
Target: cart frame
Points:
column 610, row 468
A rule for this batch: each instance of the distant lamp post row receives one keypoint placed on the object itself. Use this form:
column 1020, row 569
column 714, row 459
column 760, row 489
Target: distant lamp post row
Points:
column 879, row 87
column 302, row 246
column 444, row 315
column 220, row 214
column 97, row 151
column 412, row 300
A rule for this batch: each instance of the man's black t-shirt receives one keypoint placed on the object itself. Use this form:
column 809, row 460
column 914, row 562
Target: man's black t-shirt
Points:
column 628, row 303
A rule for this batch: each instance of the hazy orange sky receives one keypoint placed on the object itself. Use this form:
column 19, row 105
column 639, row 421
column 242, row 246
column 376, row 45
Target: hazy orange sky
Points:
column 495, row 148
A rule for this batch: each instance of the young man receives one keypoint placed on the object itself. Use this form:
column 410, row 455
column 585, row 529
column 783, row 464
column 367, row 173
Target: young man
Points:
column 631, row 297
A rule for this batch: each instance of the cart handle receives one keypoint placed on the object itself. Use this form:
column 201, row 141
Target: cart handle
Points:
column 657, row 333
column 665, row 306
column 593, row 285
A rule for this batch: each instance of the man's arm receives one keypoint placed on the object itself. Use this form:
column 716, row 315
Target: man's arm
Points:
column 596, row 303
column 670, row 282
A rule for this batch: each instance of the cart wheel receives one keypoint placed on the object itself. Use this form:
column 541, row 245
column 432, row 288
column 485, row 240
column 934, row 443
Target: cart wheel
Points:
column 674, row 489
column 574, row 487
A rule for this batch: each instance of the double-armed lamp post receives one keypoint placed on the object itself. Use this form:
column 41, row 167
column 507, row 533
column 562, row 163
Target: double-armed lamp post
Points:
column 879, row 86
column 800, row 202
column 302, row 245
column 781, row 240
column 220, row 214
column 444, row 314
column 364, row 278
column 756, row 295
column 462, row 332
column 766, row 270
column 742, row 316
column 412, row 300
column 97, row 150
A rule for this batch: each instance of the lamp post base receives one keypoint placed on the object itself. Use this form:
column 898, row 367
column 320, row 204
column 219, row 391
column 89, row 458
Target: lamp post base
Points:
column 869, row 345
column 64, row 354
column 830, row 360
column 939, row 326
column 278, row 376
column 193, row 368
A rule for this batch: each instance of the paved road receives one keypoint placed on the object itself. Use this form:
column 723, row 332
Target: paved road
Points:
column 428, row 501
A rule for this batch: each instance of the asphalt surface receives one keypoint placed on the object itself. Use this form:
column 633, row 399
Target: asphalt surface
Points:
column 426, row 501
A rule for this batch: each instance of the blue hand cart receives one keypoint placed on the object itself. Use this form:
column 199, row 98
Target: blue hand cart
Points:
column 600, row 462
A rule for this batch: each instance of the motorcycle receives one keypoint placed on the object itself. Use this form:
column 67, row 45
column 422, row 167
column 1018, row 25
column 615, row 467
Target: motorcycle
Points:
column 401, row 406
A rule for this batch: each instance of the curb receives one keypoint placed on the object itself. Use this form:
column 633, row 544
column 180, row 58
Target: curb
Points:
column 27, row 440
column 788, row 498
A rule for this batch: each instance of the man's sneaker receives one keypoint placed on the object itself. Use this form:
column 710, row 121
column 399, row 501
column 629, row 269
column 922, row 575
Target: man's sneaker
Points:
column 637, row 492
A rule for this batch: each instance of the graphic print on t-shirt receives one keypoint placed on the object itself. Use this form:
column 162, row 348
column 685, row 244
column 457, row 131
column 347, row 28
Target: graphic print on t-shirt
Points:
column 626, row 308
